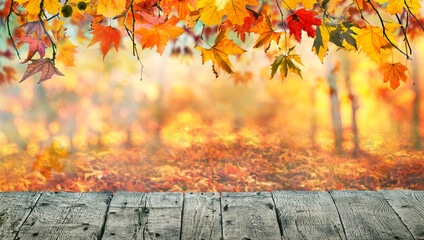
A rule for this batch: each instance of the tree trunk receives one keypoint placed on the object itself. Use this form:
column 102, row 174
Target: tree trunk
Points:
column 335, row 111
column 313, row 117
column 354, row 106
column 415, row 136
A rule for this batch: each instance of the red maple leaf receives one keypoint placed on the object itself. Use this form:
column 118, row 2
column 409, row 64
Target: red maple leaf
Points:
column 35, row 45
column 302, row 20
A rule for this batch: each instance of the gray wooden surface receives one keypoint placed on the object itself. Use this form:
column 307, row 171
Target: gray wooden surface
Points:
column 367, row 215
column 387, row 214
column 201, row 216
column 249, row 216
column 135, row 215
column 409, row 205
column 66, row 215
column 307, row 215
column 15, row 207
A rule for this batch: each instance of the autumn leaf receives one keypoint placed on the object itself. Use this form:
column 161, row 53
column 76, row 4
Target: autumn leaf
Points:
column 396, row 6
column 242, row 30
column 394, row 72
column 160, row 34
column 33, row 27
column 35, row 45
column 320, row 46
column 302, row 20
column 343, row 36
column 286, row 63
column 292, row 4
column 183, row 7
column 45, row 66
column 110, row 8
column 66, row 49
column 33, row 6
column 7, row 74
column 371, row 39
column 107, row 36
column 212, row 11
column 266, row 33
column 219, row 52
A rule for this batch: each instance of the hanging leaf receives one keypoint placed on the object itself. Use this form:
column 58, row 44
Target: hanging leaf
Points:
column 266, row 33
column 212, row 11
column 219, row 52
column 286, row 63
column 159, row 34
column 393, row 73
column 45, row 66
column 107, row 36
column 35, row 45
column 302, row 20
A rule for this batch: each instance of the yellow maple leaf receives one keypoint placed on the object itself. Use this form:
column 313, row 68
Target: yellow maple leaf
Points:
column 110, row 8
column 396, row 6
column 320, row 46
column 219, row 52
column 394, row 72
column 33, row 6
column 292, row 4
column 372, row 41
column 212, row 11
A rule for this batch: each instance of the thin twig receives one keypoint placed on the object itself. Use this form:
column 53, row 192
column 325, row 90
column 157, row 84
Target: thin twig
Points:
column 405, row 36
column 201, row 35
column 384, row 30
column 131, row 35
column 409, row 10
column 40, row 14
column 8, row 28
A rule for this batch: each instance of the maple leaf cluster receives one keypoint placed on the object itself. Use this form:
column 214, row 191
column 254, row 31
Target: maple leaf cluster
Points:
column 43, row 27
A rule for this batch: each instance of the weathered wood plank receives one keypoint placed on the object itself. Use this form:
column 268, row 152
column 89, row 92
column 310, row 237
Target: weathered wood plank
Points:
column 367, row 215
column 14, row 209
column 144, row 216
column 249, row 216
column 409, row 205
column 307, row 215
column 124, row 216
column 66, row 215
column 201, row 216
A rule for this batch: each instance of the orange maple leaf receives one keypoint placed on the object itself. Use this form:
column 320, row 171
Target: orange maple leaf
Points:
column 106, row 36
column 266, row 33
column 159, row 34
column 394, row 72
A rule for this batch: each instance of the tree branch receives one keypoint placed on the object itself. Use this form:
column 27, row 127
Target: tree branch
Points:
column 40, row 14
column 8, row 27
column 384, row 31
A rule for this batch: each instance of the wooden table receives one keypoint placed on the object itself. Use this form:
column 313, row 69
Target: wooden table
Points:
column 386, row 214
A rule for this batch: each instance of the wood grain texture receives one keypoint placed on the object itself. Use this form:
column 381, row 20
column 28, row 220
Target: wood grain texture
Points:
column 367, row 215
column 144, row 216
column 201, row 216
column 66, row 215
column 307, row 215
column 409, row 205
column 249, row 216
column 124, row 218
column 15, row 207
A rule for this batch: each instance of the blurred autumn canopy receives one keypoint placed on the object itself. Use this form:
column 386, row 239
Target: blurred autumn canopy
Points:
column 381, row 29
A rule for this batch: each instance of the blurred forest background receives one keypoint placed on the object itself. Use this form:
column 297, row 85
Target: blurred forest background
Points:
column 179, row 129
